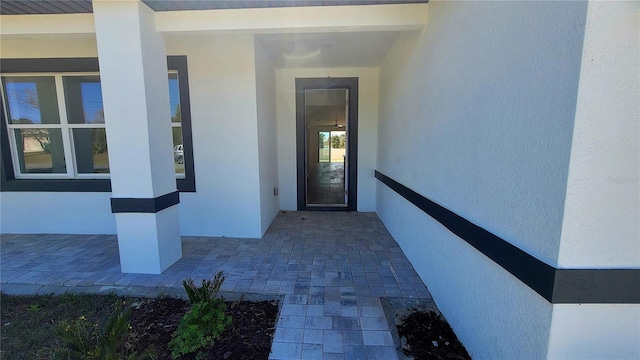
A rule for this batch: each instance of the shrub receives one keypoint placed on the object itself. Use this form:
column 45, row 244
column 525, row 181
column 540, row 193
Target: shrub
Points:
column 199, row 327
column 204, row 322
column 208, row 291
column 84, row 341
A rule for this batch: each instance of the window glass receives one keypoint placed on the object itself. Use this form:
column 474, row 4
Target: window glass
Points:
column 174, row 98
column 31, row 100
column 83, row 98
column 178, row 151
column 176, row 122
column 90, row 146
column 40, row 150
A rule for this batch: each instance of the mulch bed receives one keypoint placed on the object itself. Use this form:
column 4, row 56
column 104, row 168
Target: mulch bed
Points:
column 429, row 336
column 249, row 336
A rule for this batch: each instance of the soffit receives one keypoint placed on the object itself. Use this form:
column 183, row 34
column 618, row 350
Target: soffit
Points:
column 328, row 50
column 27, row 7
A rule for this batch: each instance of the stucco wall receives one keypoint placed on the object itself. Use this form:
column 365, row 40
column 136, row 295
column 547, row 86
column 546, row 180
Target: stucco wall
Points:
column 602, row 212
column 367, row 131
column 602, row 218
column 595, row 331
column 222, row 82
column 56, row 213
column 267, row 136
column 52, row 46
column 476, row 113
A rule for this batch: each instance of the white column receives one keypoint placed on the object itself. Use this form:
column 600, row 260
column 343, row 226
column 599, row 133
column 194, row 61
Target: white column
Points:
column 601, row 226
column 133, row 73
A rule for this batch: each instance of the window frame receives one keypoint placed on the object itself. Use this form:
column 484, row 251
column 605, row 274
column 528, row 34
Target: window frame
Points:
column 178, row 125
column 66, row 128
column 83, row 182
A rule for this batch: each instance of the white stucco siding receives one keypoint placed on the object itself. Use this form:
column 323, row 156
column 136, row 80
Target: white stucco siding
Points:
column 493, row 314
column 601, row 227
column 267, row 136
column 367, row 131
column 47, row 25
column 602, row 213
column 479, row 117
column 56, row 213
column 595, row 331
column 222, row 85
column 476, row 113
column 51, row 46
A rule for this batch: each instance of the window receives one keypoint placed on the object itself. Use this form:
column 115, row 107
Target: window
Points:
column 53, row 128
column 60, row 133
column 176, row 124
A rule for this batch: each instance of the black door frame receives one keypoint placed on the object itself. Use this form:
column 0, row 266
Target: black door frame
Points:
column 351, row 84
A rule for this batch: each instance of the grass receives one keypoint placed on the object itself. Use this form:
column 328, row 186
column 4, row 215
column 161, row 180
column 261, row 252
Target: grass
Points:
column 28, row 322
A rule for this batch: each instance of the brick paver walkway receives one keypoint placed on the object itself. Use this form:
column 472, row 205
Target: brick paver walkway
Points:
column 331, row 267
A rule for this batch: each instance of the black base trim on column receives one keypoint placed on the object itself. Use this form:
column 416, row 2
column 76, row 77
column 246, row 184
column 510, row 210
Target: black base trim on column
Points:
column 558, row 286
column 144, row 205
column 597, row 286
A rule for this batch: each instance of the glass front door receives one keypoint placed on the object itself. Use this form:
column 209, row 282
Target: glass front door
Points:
column 327, row 143
column 326, row 122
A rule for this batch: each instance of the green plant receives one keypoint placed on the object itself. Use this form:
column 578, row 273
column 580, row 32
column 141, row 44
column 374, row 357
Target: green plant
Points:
column 99, row 144
column 34, row 308
column 204, row 322
column 199, row 327
column 85, row 341
column 67, row 297
column 208, row 291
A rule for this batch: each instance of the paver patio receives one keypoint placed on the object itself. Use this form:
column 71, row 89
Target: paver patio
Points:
column 331, row 267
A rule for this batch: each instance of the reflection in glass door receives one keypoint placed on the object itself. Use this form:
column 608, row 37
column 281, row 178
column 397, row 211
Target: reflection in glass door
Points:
column 326, row 115
column 324, row 150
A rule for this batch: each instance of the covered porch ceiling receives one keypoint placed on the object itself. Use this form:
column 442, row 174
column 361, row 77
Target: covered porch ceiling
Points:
column 328, row 50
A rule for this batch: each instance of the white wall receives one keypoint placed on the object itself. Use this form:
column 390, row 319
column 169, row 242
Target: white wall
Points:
column 367, row 131
column 222, row 85
column 595, row 331
column 602, row 212
column 493, row 314
column 476, row 113
column 51, row 46
column 56, row 213
column 267, row 136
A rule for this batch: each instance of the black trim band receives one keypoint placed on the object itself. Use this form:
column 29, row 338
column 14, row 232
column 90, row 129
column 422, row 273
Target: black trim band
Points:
column 597, row 286
column 144, row 205
column 558, row 286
